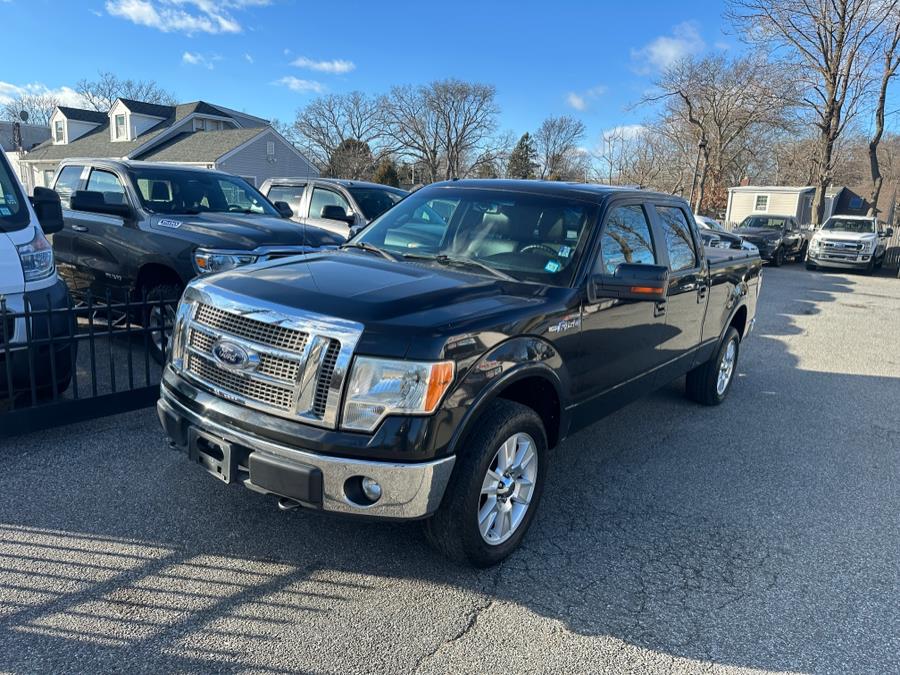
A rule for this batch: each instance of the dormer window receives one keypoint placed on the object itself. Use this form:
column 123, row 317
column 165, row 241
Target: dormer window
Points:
column 59, row 132
column 121, row 129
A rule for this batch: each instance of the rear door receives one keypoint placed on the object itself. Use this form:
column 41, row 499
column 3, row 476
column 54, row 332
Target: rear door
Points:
column 319, row 198
column 685, row 304
column 102, row 243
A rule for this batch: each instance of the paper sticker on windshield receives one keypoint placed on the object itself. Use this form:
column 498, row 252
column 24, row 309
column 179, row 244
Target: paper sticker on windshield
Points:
column 552, row 266
column 571, row 234
column 4, row 211
column 564, row 251
column 168, row 222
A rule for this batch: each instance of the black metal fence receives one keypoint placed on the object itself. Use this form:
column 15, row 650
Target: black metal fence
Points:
column 88, row 358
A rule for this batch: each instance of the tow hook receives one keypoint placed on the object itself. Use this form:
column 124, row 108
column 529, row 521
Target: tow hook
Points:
column 285, row 504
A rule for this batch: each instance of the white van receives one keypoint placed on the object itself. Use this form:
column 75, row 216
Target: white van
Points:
column 28, row 279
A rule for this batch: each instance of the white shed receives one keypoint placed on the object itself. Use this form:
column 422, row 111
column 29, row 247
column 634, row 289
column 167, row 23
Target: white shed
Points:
column 776, row 200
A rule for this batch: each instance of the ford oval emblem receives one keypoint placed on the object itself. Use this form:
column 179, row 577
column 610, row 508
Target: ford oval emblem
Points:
column 233, row 356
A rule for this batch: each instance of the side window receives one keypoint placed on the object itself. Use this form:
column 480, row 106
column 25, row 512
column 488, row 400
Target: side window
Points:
column 626, row 238
column 292, row 194
column 109, row 184
column 68, row 181
column 679, row 242
column 322, row 198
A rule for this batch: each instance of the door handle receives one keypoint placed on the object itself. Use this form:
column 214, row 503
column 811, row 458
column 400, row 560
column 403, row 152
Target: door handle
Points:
column 79, row 228
column 701, row 292
column 659, row 308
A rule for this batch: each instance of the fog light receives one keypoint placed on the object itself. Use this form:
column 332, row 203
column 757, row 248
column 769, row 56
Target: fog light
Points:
column 371, row 489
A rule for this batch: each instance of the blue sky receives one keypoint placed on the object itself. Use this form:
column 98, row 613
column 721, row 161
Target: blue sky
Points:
column 590, row 59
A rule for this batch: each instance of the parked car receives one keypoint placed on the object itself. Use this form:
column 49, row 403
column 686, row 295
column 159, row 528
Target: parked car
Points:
column 777, row 237
column 28, row 280
column 135, row 229
column 423, row 372
column 849, row 242
column 333, row 204
column 714, row 234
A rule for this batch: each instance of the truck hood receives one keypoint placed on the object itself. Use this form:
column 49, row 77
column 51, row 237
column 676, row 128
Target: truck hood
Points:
column 758, row 233
column 396, row 302
column 241, row 231
column 855, row 237
column 11, row 279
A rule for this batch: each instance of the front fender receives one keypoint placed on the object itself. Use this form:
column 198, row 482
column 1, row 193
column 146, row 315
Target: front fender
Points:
column 505, row 364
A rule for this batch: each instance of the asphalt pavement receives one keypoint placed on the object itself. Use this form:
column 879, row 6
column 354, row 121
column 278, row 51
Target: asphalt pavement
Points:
column 762, row 535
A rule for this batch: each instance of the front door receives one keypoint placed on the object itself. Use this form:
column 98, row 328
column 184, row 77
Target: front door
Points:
column 620, row 338
column 321, row 197
column 686, row 299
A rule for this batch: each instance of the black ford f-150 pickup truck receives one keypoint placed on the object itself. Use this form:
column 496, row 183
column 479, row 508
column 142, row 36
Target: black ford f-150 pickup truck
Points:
column 426, row 368
column 144, row 228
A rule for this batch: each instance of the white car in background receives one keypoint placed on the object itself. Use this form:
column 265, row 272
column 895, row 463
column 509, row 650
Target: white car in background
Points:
column 849, row 242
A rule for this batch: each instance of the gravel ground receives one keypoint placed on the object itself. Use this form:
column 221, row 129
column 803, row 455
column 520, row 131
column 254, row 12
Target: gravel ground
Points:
column 763, row 535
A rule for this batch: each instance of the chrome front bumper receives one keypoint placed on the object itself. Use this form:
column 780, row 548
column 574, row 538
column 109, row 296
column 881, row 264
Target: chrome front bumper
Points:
column 409, row 491
column 847, row 263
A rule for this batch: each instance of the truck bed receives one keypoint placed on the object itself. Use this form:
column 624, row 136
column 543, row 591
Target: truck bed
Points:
column 722, row 256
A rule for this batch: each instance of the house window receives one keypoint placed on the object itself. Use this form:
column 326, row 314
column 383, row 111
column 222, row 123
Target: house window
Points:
column 59, row 131
column 270, row 148
column 761, row 203
column 200, row 124
column 120, row 127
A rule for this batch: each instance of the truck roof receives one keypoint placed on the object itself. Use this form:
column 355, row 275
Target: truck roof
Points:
column 130, row 163
column 289, row 180
column 586, row 191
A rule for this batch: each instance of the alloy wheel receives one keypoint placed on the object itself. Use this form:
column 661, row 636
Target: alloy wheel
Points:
column 507, row 489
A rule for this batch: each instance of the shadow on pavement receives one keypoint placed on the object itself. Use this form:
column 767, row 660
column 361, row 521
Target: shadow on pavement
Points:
column 747, row 535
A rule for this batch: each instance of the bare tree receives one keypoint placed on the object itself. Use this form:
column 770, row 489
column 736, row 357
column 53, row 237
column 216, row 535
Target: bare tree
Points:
column 831, row 43
column 723, row 107
column 39, row 107
column 445, row 127
column 330, row 121
column 891, row 61
column 100, row 94
column 557, row 142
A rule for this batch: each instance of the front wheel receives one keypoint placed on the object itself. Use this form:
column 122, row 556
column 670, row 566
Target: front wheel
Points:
column 710, row 382
column 778, row 257
column 159, row 313
column 495, row 488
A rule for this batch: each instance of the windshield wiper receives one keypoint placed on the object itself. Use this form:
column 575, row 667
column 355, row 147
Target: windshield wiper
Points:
column 364, row 246
column 445, row 259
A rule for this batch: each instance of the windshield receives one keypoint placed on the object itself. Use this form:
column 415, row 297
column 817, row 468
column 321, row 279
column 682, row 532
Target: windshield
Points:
column 765, row 222
column 175, row 192
column 529, row 237
column 13, row 211
column 855, row 225
column 375, row 201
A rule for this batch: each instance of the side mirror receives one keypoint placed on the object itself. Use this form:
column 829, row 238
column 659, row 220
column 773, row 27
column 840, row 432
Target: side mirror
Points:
column 889, row 232
column 284, row 209
column 632, row 282
column 94, row 202
column 335, row 212
column 48, row 209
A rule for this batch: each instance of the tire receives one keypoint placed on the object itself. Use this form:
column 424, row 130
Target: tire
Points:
column 868, row 269
column 166, row 295
column 778, row 257
column 703, row 383
column 454, row 529
column 880, row 262
column 801, row 254
column 811, row 266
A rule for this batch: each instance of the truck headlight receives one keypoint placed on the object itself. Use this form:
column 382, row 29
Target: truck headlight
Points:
column 381, row 387
column 178, row 345
column 36, row 257
column 208, row 262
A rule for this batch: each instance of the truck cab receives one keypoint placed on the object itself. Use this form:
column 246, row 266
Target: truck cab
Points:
column 28, row 281
column 339, row 206
column 425, row 369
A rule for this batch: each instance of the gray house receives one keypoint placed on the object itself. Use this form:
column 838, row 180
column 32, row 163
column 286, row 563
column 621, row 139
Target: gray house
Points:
column 197, row 134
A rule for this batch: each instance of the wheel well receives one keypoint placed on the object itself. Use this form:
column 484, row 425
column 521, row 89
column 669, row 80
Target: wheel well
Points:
column 154, row 274
column 739, row 320
column 539, row 395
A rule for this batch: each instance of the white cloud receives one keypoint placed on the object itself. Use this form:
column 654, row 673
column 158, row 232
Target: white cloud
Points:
column 624, row 132
column 336, row 66
column 580, row 101
column 667, row 50
column 248, row 58
column 183, row 16
column 576, row 101
column 197, row 59
column 66, row 95
column 301, row 86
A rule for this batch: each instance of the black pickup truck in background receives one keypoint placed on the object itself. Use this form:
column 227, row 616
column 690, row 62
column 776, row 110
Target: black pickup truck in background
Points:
column 135, row 229
column 424, row 370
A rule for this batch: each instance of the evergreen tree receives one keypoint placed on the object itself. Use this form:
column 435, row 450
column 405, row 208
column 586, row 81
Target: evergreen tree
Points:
column 522, row 160
column 386, row 174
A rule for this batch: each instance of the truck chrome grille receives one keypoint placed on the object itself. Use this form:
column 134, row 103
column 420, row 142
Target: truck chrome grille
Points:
column 297, row 361
column 246, row 387
column 251, row 329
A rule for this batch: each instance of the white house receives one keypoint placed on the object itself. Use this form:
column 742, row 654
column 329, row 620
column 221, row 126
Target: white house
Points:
column 748, row 200
column 197, row 133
